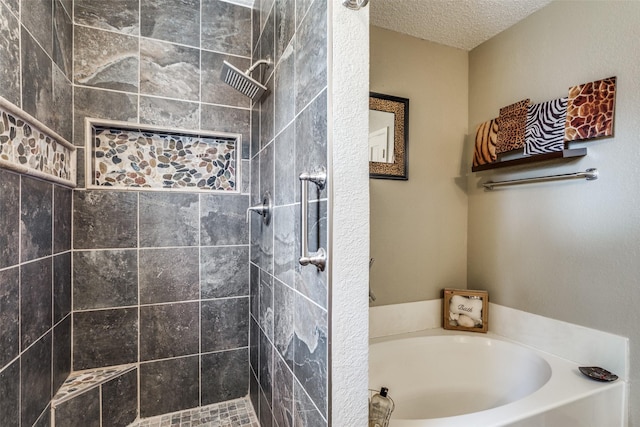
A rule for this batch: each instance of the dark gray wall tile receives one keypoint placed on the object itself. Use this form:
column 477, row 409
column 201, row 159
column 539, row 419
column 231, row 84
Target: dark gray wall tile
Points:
column 254, row 290
column 302, row 7
column 45, row 418
column 225, row 324
column 224, row 376
column 81, row 411
column 214, row 90
column 254, row 346
column 266, row 304
column 266, row 368
column 62, row 114
column 168, row 330
column 256, row 27
column 115, row 15
column 224, row 272
column 168, row 219
column 169, row 70
column 265, row 7
column 105, row 278
column 36, row 213
column 9, row 315
column 62, row 39
column 282, row 394
column 226, row 27
column 105, row 219
column 168, row 275
column 10, row 54
column 80, row 167
column 265, row 416
column 245, row 187
column 120, row 400
column 168, row 386
column 254, row 392
column 311, row 55
column 311, row 142
column 285, row 11
column 304, row 411
column 10, row 395
column 9, row 218
column 35, row 380
column 105, row 59
column 176, row 21
column 255, row 129
column 266, row 45
column 310, row 350
column 68, row 6
column 223, row 220
column 266, row 170
column 62, row 213
column 37, row 17
column 101, row 104
column 61, row 286
column 169, row 113
column 61, row 353
column 284, row 96
column 283, row 323
column 286, row 245
column 35, row 300
column 105, row 338
column 267, row 115
column 227, row 119
column 37, row 90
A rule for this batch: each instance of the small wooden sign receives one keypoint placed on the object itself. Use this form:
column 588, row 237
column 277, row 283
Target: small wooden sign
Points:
column 465, row 310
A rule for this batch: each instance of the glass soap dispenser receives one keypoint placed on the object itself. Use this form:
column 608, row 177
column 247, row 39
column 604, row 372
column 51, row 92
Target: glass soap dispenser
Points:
column 380, row 408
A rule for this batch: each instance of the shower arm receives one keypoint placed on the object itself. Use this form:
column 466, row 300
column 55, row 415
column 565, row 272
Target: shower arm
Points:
column 267, row 61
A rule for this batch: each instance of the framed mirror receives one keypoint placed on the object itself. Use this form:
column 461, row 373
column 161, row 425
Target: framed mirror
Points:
column 388, row 136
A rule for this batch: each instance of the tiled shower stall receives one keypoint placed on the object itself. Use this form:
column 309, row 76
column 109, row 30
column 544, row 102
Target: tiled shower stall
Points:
column 206, row 307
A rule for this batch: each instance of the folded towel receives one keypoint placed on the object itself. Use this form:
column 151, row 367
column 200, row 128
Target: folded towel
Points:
column 471, row 307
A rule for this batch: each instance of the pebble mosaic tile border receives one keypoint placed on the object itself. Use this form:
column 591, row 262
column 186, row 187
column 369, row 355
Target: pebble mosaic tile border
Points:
column 232, row 413
column 29, row 147
column 144, row 158
column 80, row 381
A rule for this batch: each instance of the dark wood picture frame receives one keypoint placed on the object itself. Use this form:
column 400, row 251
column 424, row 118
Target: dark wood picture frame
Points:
column 399, row 169
column 460, row 304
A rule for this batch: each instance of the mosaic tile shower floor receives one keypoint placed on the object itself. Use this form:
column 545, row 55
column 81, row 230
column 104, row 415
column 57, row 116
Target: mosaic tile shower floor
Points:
column 232, row 413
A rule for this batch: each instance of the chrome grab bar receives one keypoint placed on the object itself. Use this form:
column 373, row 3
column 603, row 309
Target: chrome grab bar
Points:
column 319, row 258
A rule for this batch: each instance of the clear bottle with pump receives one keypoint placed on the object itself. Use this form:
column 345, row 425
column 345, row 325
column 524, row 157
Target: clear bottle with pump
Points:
column 380, row 408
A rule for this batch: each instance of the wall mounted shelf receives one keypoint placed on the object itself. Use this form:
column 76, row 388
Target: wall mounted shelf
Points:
column 564, row 154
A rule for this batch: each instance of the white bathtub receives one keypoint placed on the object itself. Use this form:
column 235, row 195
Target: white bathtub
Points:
column 439, row 378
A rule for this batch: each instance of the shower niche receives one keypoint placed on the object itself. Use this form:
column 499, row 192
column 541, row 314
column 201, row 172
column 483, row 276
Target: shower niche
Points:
column 131, row 156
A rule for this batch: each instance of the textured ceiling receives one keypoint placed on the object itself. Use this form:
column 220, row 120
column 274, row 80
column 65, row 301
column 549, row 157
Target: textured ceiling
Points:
column 458, row 23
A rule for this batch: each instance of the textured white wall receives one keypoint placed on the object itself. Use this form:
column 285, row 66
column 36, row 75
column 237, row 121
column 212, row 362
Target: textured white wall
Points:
column 419, row 226
column 349, row 213
column 566, row 250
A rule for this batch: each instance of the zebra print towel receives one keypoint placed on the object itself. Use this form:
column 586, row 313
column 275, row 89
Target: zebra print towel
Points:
column 544, row 131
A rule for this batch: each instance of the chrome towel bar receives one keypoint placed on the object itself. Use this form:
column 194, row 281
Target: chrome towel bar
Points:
column 319, row 258
column 589, row 175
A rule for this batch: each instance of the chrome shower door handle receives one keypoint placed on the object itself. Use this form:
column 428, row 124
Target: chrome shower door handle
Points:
column 319, row 258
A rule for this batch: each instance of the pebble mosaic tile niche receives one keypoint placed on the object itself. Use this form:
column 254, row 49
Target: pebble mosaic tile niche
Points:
column 152, row 158
column 27, row 146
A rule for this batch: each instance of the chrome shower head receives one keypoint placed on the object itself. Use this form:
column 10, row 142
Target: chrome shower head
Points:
column 242, row 81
